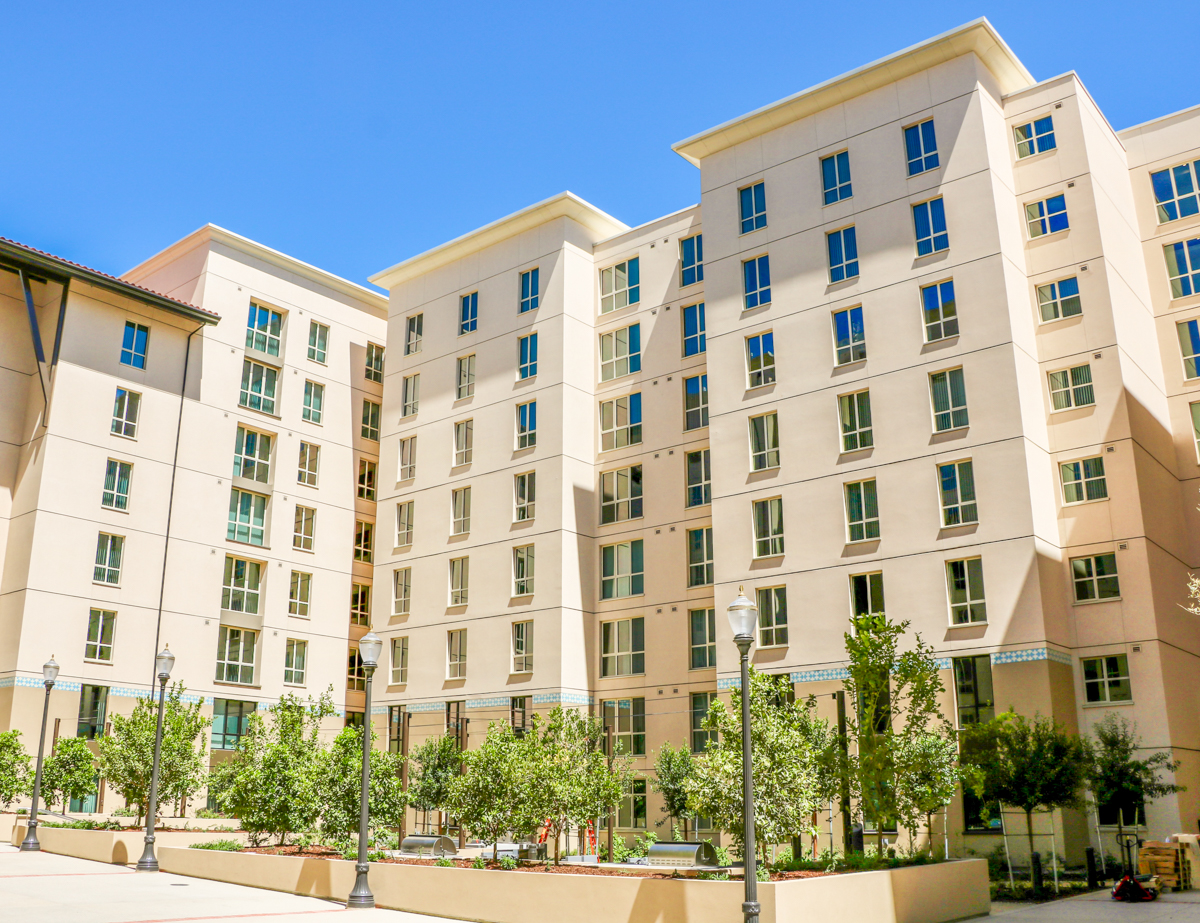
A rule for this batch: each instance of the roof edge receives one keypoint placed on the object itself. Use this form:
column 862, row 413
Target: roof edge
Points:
column 1162, row 118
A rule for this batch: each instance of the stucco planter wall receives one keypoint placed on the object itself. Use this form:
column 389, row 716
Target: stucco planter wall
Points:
column 926, row 894
column 118, row 847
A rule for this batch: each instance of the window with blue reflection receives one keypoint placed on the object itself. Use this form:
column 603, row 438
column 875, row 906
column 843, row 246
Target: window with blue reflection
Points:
column 843, row 254
column 1035, row 137
column 1047, row 216
column 1175, row 191
column 691, row 260
column 929, row 219
column 920, row 143
column 756, row 276
column 693, row 329
column 835, row 177
column 528, row 349
column 468, row 313
column 133, row 346
column 754, row 207
column 1183, row 267
column 850, row 336
column 529, row 290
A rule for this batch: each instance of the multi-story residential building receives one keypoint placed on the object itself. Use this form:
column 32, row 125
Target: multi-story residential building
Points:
column 927, row 341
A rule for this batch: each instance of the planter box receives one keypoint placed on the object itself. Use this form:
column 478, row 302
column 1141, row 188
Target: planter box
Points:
column 117, row 847
column 923, row 894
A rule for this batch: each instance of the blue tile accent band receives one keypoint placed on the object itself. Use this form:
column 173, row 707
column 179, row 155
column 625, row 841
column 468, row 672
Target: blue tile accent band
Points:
column 426, row 706
column 493, row 702
column 729, row 682
column 1032, row 654
column 816, row 676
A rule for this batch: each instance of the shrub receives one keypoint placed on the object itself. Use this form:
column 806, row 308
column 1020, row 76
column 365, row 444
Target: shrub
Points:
column 69, row 772
column 508, row 863
column 16, row 779
column 445, row 863
column 124, row 811
column 340, row 784
column 479, row 863
column 223, row 845
column 207, row 814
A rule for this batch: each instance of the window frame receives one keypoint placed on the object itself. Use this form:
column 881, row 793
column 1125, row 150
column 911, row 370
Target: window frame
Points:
column 1058, row 300
column 1049, row 222
column 838, row 160
column 414, row 333
column 1093, row 578
column 456, row 653
column 631, row 291
column 931, row 212
column 1084, row 480
column 754, row 196
column 308, row 464
column 265, row 322
column 924, row 155
column 529, row 290
column 360, row 603
column 525, row 496
column 248, row 454
column 104, row 621
column 631, row 431
column 614, row 500
column 524, row 570
column 468, row 313
column 521, row 647
column 855, row 435
column 460, row 510
column 246, row 525
column 610, row 630
column 300, row 594
column 952, row 409
column 1104, row 680
column 849, row 349
column 371, row 413
column 318, row 342
column 364, row 541
column 969, row 603
column 703, row 459
column 464, row 442
column 1072, row 389
column 753, row 270
column 695, row 405
column 526, row 423
column 406, row 457
column 122, row 424
column 141, row 337
column 527, row 357
column 708, row 624
column 872, row 586
column 943, row 321
column 867, row 497
column 696, row 342
column 405, row 523
column 772, row 627
column 841, row 253
column 268, row 380
column 295, row 649
column 368, row 479
column 113, row 498
column 373, row 363
column 460, row 581
column 224, row 640
column 764, row 449
column 618, row 364
column 1163, row 206
column 402, row 591
column 770, row 545
column 241, row 585
column 313, row 408
column 701, row 566
column 410, row 401
column 1035, row 137
column 304, row 527
column 465, row 383
column 634, row 577
column 398, row 671
column 766, row 370
column 696, row 264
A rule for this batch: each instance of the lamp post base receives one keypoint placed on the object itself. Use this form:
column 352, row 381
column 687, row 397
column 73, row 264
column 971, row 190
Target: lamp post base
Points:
column 30, row 843
column 148, row 862
column 750, row 910
column 361, row 897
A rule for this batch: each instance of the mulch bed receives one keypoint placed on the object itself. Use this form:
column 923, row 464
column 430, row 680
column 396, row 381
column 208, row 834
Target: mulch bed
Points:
column 315, row 851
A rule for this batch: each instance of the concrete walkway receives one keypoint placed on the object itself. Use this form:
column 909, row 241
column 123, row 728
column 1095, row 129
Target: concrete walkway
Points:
column 45, row 888
column 1098, row 907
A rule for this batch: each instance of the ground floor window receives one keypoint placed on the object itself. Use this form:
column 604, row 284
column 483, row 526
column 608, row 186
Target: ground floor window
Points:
column 632, row 814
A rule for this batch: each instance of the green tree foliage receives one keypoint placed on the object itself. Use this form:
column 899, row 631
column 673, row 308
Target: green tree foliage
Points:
column 434, row 765
column 1117, row 776
column 673, row 767
column 70, row 772
column 928, row 774
column 492, row 797
column 341, row 785
column 16, row 772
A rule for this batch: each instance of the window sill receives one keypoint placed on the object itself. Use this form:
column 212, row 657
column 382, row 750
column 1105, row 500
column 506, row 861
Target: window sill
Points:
column 296, row 615
column 613, row 599
column 296, row 685
column 113, row 509
column 528, row 595
column 236, row 541
column 617, row 522
column 265, row 413
column 622, row 675
column 111, row 586
column 1040, row 155
column 765, row 384
column 951, row 429
column 766, row 557
column 757, row 307
column 402, row 549
column 520, row 672
column 123, row 436
column 1093, row 602
column 772, row 647
column 102, row 663
column 257, row 355
column 1071, row 506
column 692, row 429
column 221, row 682
column 852, row 363
column 858, row 543
column 518, row 522
column 954, row 625
column 305, row 550
column 1109, row 705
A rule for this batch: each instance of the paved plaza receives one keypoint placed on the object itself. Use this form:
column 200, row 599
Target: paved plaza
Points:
column 1183, row 907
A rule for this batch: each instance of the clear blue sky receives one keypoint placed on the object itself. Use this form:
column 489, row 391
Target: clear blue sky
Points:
column 354, row 134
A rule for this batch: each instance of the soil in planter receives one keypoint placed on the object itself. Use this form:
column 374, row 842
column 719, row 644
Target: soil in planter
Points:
column 579, row 868
column 316, row 850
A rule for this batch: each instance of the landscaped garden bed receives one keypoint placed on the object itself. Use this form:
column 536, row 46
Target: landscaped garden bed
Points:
column 117, row 847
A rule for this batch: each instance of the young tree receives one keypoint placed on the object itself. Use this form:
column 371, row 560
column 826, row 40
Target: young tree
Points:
column 492, row 797
column 672, row 770
column 69, row 772
column 341, row 785
column 927, row 775
column 1117, row 776
column 16, row 773
column 435, row 763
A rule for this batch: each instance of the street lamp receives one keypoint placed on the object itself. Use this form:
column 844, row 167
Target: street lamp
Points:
column 162, row 665
column 743, row 619
column 30, row 843
column 370, row 646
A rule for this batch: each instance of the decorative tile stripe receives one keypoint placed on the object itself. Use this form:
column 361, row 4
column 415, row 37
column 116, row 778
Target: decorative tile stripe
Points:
column 562, row 698
column 1031, row 654
column 729, row 682
column 944, row 663
column 816, row 676
column 426, row 706
column 379, row 709
column 493, row 702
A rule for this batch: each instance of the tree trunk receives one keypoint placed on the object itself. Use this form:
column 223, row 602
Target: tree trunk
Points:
column 1029, row 833
column 496, row 849
column 929, row 831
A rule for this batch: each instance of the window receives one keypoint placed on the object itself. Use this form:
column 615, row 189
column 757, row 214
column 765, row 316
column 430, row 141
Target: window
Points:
column 949, row 393
column 235, row 655
column 240, row 585
column 302, row 530
column 413, row 330
column 133, row 346
column 364, row 541
column 252, row 455
column 621, row 422
column 360, row 604
column 1175, row 191
column 468, row 313
column 258, row 386
column 849, row 336
column 1083, row 480
column 524, row 496
column 125, row 413
column 460, row 511
column 314, row 401
column 621, row 352
column 940, row 311
column 756, row 276
column 1035, row 137
column 753, row 201
column 405, row 515
column 262, row 329
column 407, row 458
column 700, row 557
column 115, row 495
column 101, row 625
column 973, row 683
column 768, row 527
column 527, row 347
column 399, row 660
column 529, row 290
column 701, row 737
column 764, row 442
column 772, row 616
column 1106, row 679
column 464, row 442
column 230, row 721
column 835, row 177
column 691, row 260
column 920, row 144
column 523, row 570
column 1072, row 388
column 522, row 646
column 842, row 246
column 367, row 472
column 370, row 420
column 397, row 721
column 356, row 677
column 299, row 593
column 460, row 579
column 866, row 594
column 623, row 647
column 1189, row 345
column 518, row 714
column 702, row 638
column 862, row 511
column 466, row 377
column 411, row 399
column 1095, row 577
column 631, row 815
column 93, row 709
column 699, row 478
column 1195, row 411
column 527, row 425
column 854, row 411
column 760, row 359
column 1047, row 216
column 695, row 402
column 964, row 582
column 929, row 218
column 295, row 656
column 621, row 494
column 693, row 330
column 622, row 571
column 402, row 591
column 318, row 341
column 373, row 369
column 619, row 286
column 307, row 472
column 109, row 549
column 456, row 651
column 1059, row 299
column 957, row 483
column 627, row 718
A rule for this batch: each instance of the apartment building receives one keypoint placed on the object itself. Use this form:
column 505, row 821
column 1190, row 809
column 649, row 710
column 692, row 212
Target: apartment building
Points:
column 190, row 459
column 931, row 351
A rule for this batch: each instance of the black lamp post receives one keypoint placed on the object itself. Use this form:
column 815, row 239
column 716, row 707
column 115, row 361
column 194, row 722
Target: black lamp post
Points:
column 30, row 843
column 743, row 619
column 370, row 646
column 162, row 664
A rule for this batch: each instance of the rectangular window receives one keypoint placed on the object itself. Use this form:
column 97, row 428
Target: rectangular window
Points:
column 460, row 580
column 1072, row 388
column 252, row 455
column 1059, row 299
column 405, row 515
column 1189, row 345
column 939, row 310
column 854, row 410
column 866, row 594
column 522, row 647
column 295, row 658
column 414, row 328
column 406, row 458
column 299, row 593
column 356, row 681
column 772, row 616
column 258, row 386
column 695, row 402
column 101, row 625
column 518, row 714
column 949, row 394
column 456, row 654
column 529, row 290
column 702, row 638
column 125, row 413
column 466, row 377
column 397, row 717
column 115, row 495
column 133, row 346
column 764, row 442
column 768, row 527
column 1106, row 679
column 109, row 549
column 701, row 738
column 621, row 422
column 973, row 684
column 524, row 496
column 262, row 329
column 314, row 401
column 691, row 260
column 303, row 528
column 1195, row 411
column 527, row 425
column 527, row 348
column 920, row 144
column 235, row 655
column 468, row 313
column 523, row 570
column 699, row 478
column 240, row 585
column 1035, row 137
column 230, row 721
column 621, row 494
column 399, row 661
column 929, row 219
column 307, row 471
column 367, row 476
column 631, row 815
column 318, row 341
column 1084, row 480
column 1175, row 191
column 627, row 718
column 760, row 359
column 842, row 246
column 1047, row 216
column 402, row 591
column 956, row 481
column 756, row 277
column 835, row 177
column 364, row 541
column 849, row 336
column 622, row 570
column 370, row 420
column 93, row 709
column 623, row 647
column 464, row 442
column 700, row 557
column 693, row 330
column 360, row 604
column 619, row 286
column 621, row 352
column 862, row 511
column 460, row 511
column 1095, row 577
column 753, row 200
column 964, row 582
column 412, row 395
column 373, row 368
